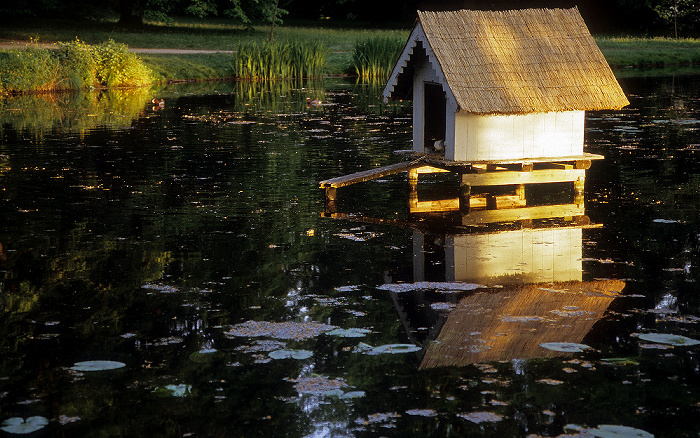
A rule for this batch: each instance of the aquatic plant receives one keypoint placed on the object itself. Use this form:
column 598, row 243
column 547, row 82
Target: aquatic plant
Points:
column 20, row 426
column 290, row 354
column 279, row 330
column 613, row 431
column 349, row 333
column 565, row 347
column 373, row 59
column 668, row 339
column 276, row 60
column 97, row 365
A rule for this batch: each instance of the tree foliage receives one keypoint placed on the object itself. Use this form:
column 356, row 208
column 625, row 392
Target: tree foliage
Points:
column 681, row 14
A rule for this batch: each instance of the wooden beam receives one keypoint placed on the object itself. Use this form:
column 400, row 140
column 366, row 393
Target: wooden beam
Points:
column 367, row 175
column 506, row 178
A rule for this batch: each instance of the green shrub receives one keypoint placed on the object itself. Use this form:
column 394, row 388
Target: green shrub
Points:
column 374, row 58
column 117, row 67
column 269, row 61
column 29, row 69
column 78, row 66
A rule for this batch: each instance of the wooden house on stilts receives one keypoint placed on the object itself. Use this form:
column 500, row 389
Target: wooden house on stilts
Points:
column 501, row 90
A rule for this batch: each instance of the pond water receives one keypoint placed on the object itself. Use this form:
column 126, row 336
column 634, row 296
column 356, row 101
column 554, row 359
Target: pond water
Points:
column 172, row 271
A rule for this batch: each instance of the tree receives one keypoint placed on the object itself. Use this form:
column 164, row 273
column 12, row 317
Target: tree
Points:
column 244, row 12
column 682, row 13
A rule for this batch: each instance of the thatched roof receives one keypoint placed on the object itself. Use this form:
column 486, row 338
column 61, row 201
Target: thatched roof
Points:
column 512, row 62
column 513, row 322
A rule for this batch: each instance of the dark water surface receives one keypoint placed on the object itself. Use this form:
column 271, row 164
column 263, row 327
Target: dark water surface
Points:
column 189, row 243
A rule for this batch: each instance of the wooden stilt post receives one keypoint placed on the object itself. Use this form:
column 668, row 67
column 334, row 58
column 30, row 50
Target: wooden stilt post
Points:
column 331, row 196
column 412, row 189
column 578, row 190
column 465, row 190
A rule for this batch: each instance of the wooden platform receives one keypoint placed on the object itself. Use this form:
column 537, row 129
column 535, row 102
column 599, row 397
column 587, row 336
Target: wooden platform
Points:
column 518, row 173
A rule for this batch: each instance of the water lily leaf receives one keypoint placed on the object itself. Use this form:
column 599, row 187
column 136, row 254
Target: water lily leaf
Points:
column 614, row 431
column 291, row 354
column 204, row 355
column 97, row 365
column 349, row 333
column 352, row 394
column 181, row 390
column 620, row 361
column 21, row 426
column 394, row 349
column 337, row 393
column 565, row 347
column 665, row 338
column 481, row 417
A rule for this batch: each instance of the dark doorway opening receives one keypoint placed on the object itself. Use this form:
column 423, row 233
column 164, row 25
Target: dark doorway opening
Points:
column 433, row 115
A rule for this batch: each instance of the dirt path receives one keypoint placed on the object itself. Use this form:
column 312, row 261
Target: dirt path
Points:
column 14, row 44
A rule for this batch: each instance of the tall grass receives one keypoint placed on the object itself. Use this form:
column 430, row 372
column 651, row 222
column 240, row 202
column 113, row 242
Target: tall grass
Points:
column 273, row 60
column 71, row 66
column 374, row 58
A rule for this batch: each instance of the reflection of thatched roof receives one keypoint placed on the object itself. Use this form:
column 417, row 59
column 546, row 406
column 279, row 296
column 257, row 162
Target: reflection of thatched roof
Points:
column 513, row 322
column 514, row 62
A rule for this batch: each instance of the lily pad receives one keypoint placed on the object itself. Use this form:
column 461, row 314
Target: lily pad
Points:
column 565, row 347
column 394, row 349
column 620, row 361
column 291, row 354
column 668, row 339
column 97, row 365
column 481, row 417
column 181, row 390
column 349, row 333
column 614, row 431
column 340, row 394
column 20, row 426
column 204, row 355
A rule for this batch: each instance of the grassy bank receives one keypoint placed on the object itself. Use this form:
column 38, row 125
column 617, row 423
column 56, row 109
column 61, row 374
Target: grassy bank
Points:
column 340, row 43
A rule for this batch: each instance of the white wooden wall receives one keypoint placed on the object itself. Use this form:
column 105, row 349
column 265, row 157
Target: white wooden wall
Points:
column 530, row 255
column 494, row 137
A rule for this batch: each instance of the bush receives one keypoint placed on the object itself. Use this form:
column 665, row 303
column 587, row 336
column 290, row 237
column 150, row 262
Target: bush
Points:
column 72, row 66
column 117, row 67
column 78, row 64
column 29, row 69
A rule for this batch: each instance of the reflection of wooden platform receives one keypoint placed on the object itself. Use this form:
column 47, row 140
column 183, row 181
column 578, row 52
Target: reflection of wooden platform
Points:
column 512, row 322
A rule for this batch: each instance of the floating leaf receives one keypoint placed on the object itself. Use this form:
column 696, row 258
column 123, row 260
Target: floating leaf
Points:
column 614, row 431
column 21, row 426
column 97, row 365
column 481, row 417
column 422, row 412
column 620, row 361
column 349, row 333
column 394, row 349
column 338, row 393
column 665, row 338
column 181, row 390
column 565, row 347
column 291, row 354
column 280, row 330
column 204, row 355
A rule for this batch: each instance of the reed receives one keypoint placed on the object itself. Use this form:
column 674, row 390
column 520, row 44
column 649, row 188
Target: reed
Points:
column 277, row 60
column 374, row 58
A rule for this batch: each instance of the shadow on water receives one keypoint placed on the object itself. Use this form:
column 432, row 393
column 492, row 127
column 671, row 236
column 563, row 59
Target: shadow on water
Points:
column 190, row 243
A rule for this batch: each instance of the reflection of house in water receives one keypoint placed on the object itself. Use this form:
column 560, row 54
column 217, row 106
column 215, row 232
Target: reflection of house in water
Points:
column 531, row 290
